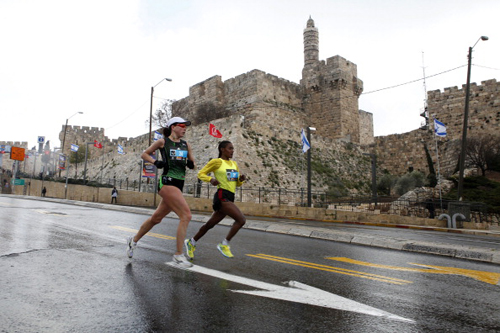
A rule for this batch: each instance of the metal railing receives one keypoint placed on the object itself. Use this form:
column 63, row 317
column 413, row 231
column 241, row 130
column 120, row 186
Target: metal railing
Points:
column 418, row 207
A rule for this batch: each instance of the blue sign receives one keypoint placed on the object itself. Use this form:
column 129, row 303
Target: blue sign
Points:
column 41, row 139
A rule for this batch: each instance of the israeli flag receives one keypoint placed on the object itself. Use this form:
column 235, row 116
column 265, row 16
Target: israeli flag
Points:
column 120, row 150
column 305, row 143
column 74, row 148
column 157, row 136
column 439, row 128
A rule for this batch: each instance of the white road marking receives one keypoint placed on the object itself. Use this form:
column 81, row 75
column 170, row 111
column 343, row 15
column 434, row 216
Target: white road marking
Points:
column 296, row 292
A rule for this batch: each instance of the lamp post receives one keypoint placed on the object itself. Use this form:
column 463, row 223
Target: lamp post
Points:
column 466, row 119
column 309, row 201
column 64, row 136
column 151, row 106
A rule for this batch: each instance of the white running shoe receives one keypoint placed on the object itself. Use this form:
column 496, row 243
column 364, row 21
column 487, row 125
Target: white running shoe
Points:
column 181, row 261
column 131, row 246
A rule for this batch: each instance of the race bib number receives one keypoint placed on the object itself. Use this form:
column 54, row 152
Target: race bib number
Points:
column 177, row 154
column 232, row 175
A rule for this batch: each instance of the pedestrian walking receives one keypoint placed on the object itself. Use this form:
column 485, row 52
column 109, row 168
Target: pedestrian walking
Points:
column 176, row 155
column 114, row 195
column 226, row 177
column 44, row 191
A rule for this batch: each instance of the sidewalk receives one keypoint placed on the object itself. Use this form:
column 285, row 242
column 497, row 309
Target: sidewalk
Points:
column 326, row 230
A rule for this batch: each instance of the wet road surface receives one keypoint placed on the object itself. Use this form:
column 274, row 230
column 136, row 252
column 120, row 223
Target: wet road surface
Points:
column 65, row 270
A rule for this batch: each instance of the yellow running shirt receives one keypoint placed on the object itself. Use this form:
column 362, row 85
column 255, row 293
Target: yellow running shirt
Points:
column 226, row 172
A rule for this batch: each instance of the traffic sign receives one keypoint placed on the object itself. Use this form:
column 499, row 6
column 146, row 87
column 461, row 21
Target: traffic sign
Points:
column 41, row 139
column 17, row 154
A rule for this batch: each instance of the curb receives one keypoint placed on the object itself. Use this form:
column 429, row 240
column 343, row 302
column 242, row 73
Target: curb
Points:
column 488, row 255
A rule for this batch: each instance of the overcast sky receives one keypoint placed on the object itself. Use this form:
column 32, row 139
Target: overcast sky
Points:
column 59, row 57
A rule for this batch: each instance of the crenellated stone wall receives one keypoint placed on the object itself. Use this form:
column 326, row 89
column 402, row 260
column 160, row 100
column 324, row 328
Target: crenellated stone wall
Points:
column 484, row 109
column 366, row 135
column 241, row 94
column 7, row 163
column 331, row 97
column 326, row 98
column 399, row 152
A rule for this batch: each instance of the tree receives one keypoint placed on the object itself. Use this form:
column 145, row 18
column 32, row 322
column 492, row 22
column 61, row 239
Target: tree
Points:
column 483, row 152
column 386, row 183
column 161, row 116
column 409, row 181
column 79, row 156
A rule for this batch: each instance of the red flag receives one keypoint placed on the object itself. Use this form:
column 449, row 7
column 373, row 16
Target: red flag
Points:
column 97, row 144
column 214, row 131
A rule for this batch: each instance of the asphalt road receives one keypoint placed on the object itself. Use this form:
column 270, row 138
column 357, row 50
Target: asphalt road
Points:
column 64, row 269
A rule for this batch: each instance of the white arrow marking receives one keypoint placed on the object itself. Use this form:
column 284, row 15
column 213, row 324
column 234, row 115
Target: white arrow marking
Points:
column 296, row 292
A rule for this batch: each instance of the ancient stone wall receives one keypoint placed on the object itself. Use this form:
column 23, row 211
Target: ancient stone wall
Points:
column 239, row 94
column 7, row 163
column 331, row 100
column 399, row 152
column 366, row 135
column 484, row 109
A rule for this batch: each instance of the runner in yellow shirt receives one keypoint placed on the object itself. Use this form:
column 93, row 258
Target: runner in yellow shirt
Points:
column 226, row 177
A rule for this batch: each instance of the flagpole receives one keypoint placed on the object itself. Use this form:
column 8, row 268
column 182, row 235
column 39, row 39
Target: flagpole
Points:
column 102, row 165
column 302, row 180
column 102, row 155
column 437, row 159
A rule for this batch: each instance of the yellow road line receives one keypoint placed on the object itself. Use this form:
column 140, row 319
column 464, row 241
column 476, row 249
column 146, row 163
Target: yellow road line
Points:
column 331, row 269
column 488, row 277
column 152, row 234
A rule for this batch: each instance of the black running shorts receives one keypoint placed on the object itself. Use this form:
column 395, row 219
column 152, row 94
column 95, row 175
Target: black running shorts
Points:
column 222, row 196
column 165, row 180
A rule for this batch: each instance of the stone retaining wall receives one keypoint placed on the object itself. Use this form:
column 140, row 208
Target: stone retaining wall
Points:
column 130, row 198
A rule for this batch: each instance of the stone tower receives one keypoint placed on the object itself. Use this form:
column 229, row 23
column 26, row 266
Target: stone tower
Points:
column 332, row 89
column 311, row 45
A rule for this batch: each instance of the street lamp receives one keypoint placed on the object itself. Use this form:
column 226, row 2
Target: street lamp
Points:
column 151, row 106
column 309, row 129
column 466, row 119
column 64, row 136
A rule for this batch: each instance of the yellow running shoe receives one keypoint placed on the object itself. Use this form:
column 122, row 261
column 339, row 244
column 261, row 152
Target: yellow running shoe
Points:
column 189, row 248
column 225, row 250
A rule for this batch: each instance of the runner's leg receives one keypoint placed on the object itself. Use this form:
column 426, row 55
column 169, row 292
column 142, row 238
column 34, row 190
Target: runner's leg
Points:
column 161, row 211
column 230, row 209
column 212, row 222
column 178, row 204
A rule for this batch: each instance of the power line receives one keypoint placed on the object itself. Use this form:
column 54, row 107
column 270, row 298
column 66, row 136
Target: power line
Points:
column 413, row 81
column 495, row 69
column 130, row 115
